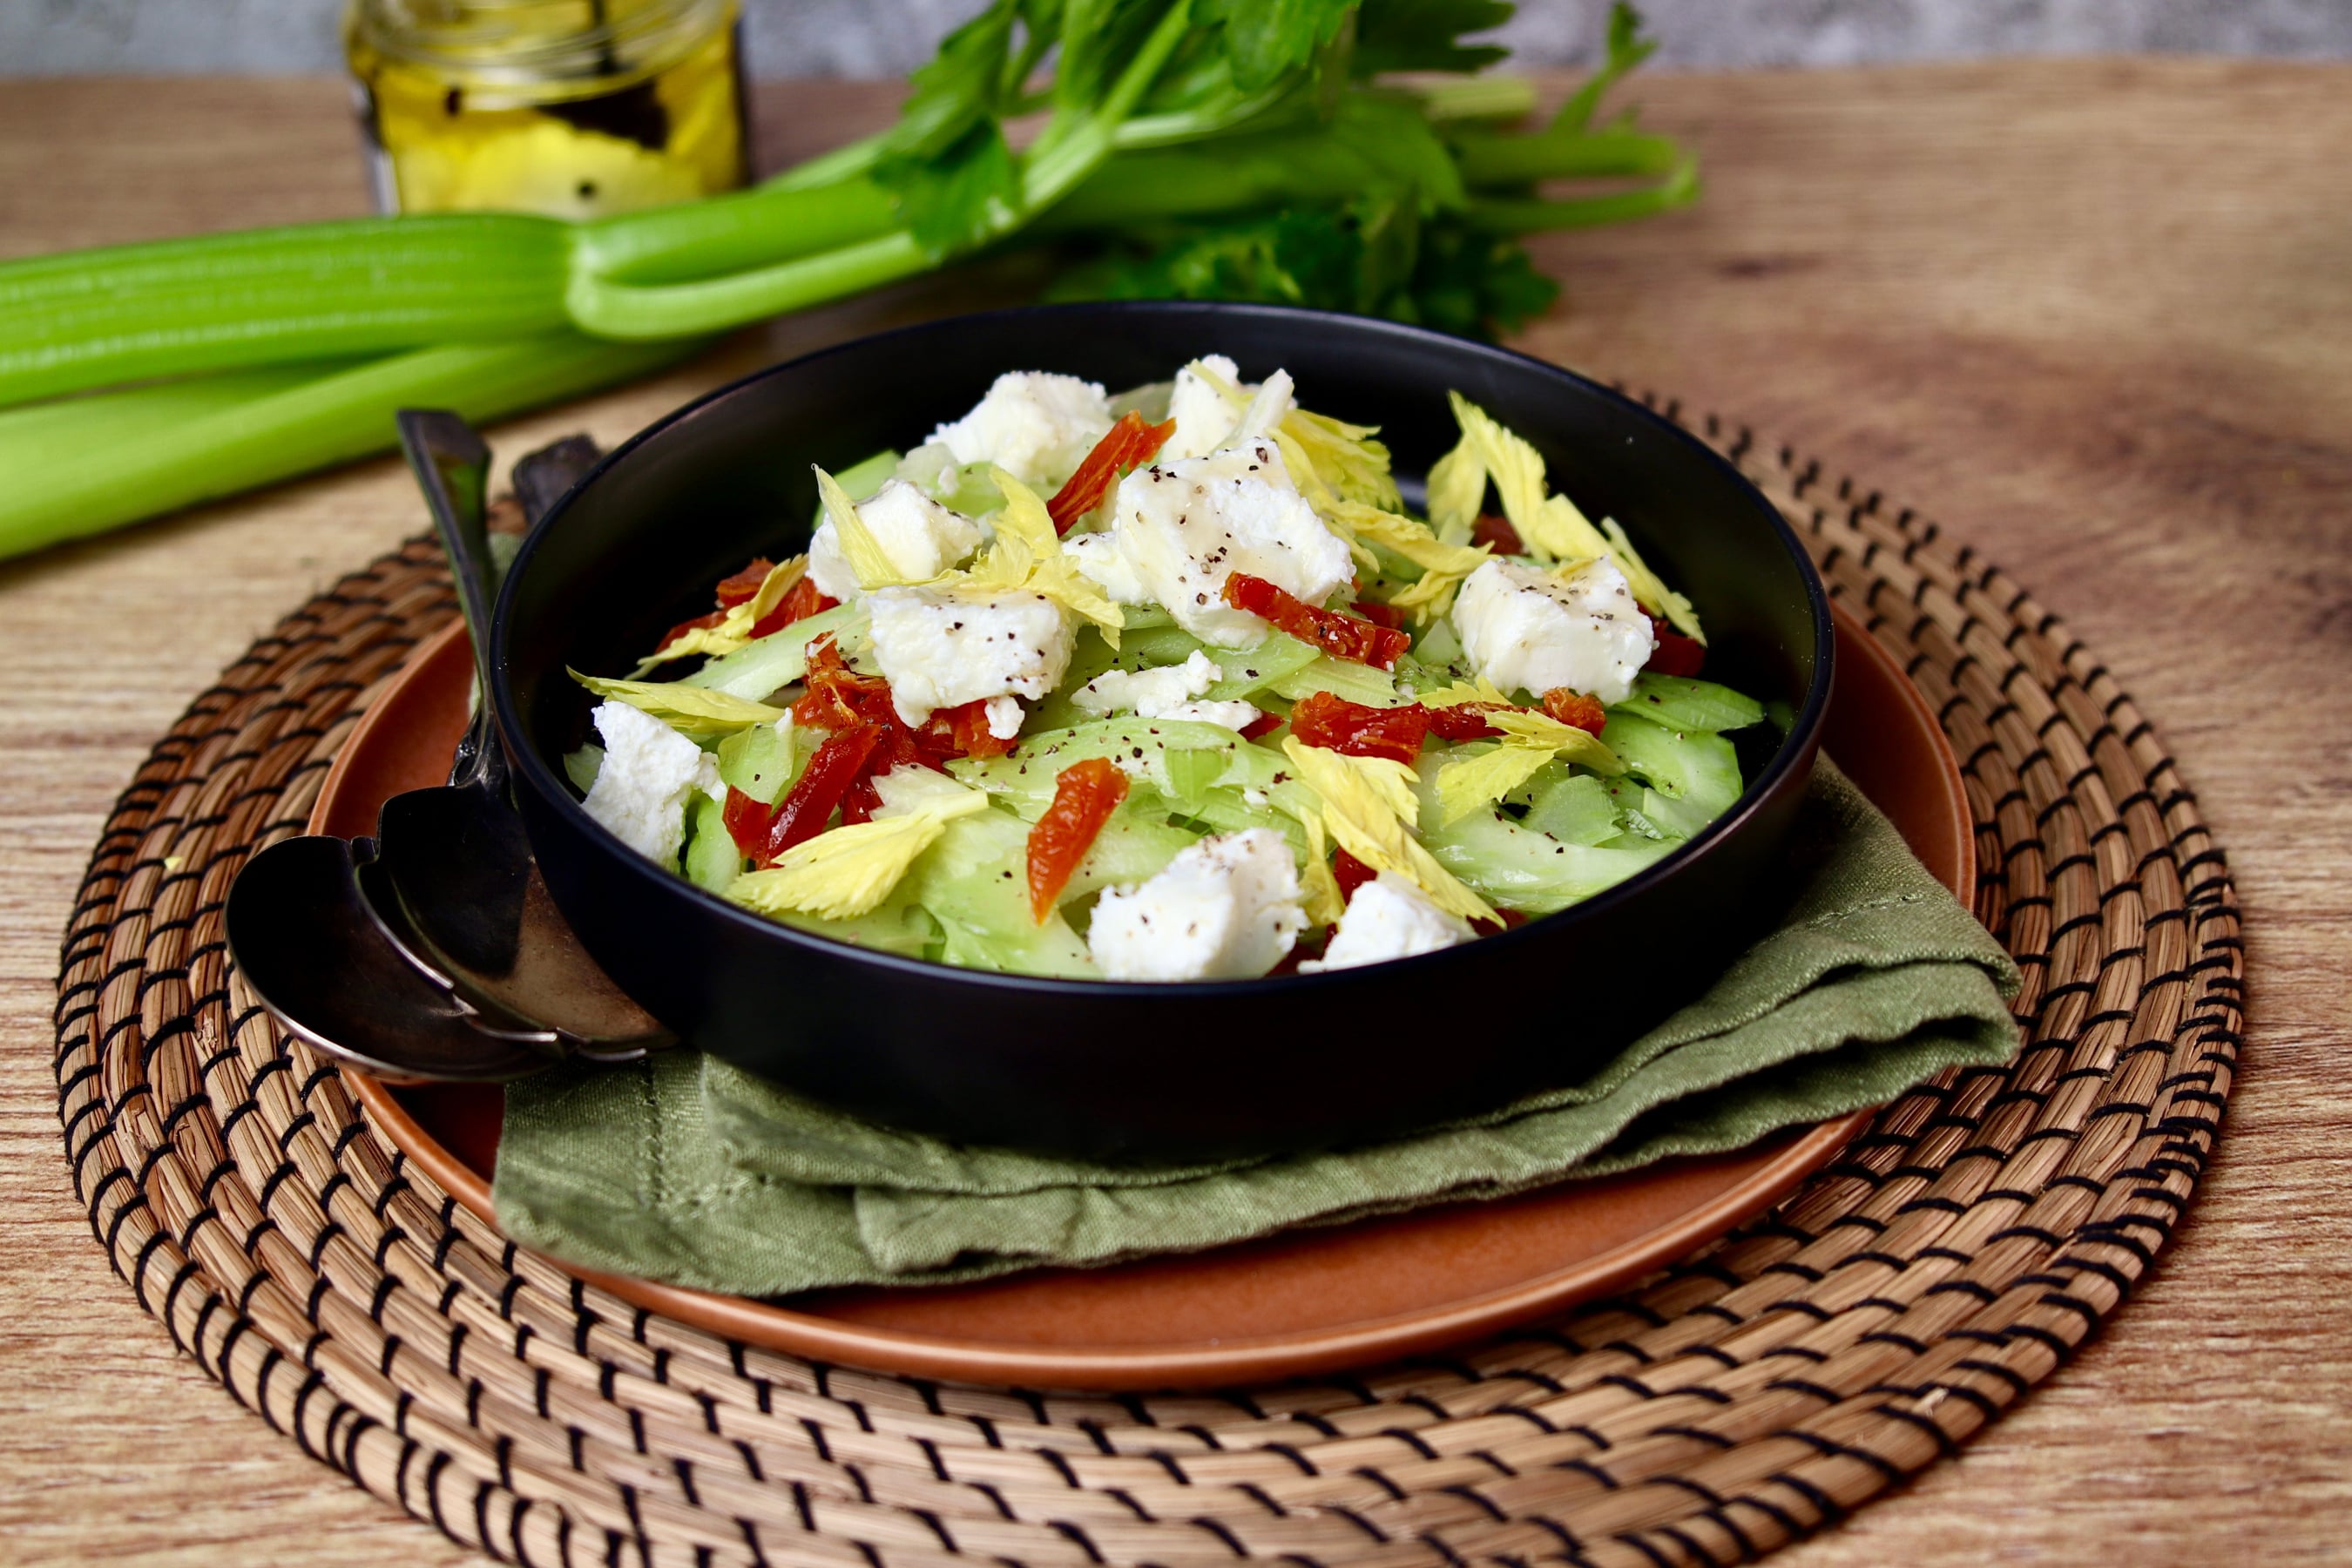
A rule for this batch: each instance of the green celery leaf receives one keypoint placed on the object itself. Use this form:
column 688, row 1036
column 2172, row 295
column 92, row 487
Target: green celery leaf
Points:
column 1626, row 50
column 1264, row 39
column 1371, row 258
column 1425, row 34
column 1476, row 285
column 959, row 198
column 958, row 86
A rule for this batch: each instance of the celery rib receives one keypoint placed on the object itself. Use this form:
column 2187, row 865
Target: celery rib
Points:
column 80, row 467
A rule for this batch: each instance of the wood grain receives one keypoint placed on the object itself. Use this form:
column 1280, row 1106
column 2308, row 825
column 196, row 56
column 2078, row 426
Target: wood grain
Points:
column 2095, row 316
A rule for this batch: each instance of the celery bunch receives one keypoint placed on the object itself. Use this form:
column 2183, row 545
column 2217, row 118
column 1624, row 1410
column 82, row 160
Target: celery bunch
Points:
column 1196, row 148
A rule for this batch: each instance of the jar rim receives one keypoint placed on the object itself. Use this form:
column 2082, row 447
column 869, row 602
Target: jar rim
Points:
column 510, row 44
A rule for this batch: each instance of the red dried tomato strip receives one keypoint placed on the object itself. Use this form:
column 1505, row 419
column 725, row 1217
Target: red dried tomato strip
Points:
column 734, row 589
column 1129, row 443
column 1350, row 874
column 838, row 697
column 962, row 732
column 747, row 821
column 1499, row 532
column 1675, row 653
column 805, row 808
column 1341, row 636
column 697, row 624
column 802, row 600
column 1319, row 718
column 1265, row 724
column 1084, row 796
column 1575, row 709
column 1511, row 919
column 1380, row 615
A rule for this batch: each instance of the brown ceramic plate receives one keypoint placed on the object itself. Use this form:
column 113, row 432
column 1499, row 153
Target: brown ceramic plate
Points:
column 1305, row 1301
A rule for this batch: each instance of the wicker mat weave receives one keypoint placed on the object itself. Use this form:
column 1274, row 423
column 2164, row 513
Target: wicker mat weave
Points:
column 1956, row 1254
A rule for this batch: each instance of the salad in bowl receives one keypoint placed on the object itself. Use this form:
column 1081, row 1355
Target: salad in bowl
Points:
column 1170, row 684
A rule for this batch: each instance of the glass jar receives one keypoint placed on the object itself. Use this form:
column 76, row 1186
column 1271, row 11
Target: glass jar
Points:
column 574, row 108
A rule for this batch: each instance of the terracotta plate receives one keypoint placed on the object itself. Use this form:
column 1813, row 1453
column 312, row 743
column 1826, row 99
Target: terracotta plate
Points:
column 1306, row 1301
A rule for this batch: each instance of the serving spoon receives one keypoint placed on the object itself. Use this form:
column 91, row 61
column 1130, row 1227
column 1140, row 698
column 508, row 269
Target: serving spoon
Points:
column 434, row 951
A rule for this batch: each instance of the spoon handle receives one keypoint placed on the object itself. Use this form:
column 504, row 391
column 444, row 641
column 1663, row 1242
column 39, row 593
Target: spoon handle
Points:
column 452, row 465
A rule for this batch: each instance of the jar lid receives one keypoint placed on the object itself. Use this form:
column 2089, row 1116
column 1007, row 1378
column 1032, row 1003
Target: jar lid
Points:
column 538, row 43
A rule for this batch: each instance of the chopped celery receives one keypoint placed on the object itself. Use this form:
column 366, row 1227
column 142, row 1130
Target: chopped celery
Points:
column 860, row 480
column 1024, row 777
column 760, row 760
column 581, row 766
column 1131, row 848
column 973, row 492
column 1191, row 773
column 1522, row 869
column 897, row 924
column 1142, row 617
column 1680, row 703
column 711, row 860
column 971, row 883
column 1703, row 770
column 778, row 660
column 1574, row 808
column 1340, row 677
column 1675, row 818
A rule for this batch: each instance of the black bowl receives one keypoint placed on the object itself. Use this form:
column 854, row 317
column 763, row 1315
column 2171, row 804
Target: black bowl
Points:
column 1097, row 1067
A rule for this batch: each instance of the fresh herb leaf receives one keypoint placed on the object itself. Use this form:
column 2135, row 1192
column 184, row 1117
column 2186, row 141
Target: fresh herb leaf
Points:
column 961, row 86
column 1371, row 258
column 959, row 197
column 1425, row 34
column 1264, row 38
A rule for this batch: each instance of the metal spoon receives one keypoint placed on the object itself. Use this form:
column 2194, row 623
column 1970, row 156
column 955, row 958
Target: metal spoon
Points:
column 434, row 951
column 455, row 860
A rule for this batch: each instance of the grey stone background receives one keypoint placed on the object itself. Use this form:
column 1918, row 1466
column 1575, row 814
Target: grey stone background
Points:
column 888, row 38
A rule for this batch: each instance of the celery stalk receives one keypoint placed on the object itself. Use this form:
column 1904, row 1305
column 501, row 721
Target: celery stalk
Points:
column 133, row 454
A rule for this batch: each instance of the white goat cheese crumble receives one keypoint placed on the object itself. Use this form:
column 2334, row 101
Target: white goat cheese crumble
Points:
column 921, row 537
column 1037, row 425
column 1178, row 530
column 1388, row 918
column 1227, row 907
column 940, row 649
column 1526, row 629
column 642, row 786
column 1204, row 420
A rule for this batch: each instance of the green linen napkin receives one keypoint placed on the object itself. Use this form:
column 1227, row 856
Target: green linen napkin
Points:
column 687, row 1170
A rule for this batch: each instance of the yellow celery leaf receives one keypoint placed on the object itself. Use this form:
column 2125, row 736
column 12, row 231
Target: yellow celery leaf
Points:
column 1367, row 803
column 847, row 871
column 1649, row 588
column 1551, row 526
column 696, row 713
column 1443, row 565
column 869, row 562
column 1541, row 731
column 1454, row 696
column 1324, row 904
column 1321, row 501
column 1457, row 488
column 1465, row 784
column 1529, row 741
column 1026, row 556
column 733, row 634
column 1344, row 457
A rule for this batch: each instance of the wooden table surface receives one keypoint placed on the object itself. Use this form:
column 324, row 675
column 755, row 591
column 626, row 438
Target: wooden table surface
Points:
column 2094, row 316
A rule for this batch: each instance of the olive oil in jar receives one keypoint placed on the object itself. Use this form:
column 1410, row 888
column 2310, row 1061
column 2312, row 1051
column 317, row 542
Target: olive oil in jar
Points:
column 574, row 108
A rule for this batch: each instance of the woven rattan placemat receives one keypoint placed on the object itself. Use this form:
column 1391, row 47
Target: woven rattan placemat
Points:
column 1980, row 1230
